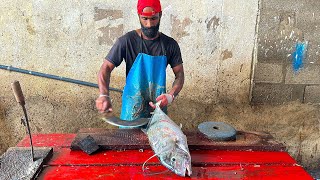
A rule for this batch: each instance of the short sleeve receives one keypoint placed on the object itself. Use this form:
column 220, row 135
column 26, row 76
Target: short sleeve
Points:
column 116, row 53
column 175, row 57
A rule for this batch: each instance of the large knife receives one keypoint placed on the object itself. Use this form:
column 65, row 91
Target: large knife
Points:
column 111, row 119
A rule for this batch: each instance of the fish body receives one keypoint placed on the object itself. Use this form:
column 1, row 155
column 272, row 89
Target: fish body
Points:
column 169, row 143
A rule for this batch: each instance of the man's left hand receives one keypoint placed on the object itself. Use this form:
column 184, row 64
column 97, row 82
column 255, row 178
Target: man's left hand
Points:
column 165, row 100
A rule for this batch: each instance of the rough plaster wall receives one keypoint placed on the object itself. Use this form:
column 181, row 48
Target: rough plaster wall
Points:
column 55, row 37
column 237, row 37
column 71, row 38
column 210, row 34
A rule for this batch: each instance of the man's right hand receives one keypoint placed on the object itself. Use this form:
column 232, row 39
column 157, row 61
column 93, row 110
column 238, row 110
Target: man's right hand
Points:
column 103, row 104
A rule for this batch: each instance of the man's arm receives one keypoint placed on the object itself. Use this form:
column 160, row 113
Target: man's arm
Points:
column 176, row 87
column 179, row 80
column 103, row 102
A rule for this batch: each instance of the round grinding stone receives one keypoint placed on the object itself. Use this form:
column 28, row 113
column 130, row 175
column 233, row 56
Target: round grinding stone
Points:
column 218, row 131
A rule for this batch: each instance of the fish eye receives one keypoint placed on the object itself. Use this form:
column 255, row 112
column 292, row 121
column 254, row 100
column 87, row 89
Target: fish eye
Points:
column 173, row 159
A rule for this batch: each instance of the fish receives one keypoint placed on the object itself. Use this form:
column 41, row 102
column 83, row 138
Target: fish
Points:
column 168, row 143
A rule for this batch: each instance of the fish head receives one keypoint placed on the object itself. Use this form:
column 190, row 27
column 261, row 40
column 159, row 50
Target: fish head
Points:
column 178, row 161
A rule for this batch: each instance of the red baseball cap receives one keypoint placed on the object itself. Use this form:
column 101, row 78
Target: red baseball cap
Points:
column 154, row 4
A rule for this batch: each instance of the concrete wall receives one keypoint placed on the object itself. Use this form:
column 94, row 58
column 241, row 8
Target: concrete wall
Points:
column 71, row 38
column 282, row 25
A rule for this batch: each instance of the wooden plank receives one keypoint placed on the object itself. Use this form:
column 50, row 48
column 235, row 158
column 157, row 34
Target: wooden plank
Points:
column 135, row 172
column 135, row 139
column 48, row 140
column 199, row 158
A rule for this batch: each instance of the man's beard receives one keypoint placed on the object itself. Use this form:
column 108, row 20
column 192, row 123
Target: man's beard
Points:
column 150, row 32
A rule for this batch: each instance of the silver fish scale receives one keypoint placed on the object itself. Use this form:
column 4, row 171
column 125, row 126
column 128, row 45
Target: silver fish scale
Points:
column 165, row 137
column 163, row 132
column 160, row 138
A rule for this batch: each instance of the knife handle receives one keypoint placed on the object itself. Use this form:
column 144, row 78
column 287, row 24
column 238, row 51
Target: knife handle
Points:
column 18, row 92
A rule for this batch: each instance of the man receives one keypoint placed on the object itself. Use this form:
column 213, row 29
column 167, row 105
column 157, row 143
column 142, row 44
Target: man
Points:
column 146, row 52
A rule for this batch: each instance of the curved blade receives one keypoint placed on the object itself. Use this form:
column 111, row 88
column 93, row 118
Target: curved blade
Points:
column 109, row 118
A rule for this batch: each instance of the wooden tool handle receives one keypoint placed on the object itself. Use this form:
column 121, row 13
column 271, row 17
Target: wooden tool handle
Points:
column 18, row 92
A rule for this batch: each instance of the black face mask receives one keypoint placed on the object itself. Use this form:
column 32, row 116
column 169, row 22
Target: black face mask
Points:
column 150, row 32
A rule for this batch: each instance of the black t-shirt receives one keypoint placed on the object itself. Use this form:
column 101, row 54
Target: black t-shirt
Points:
column 128, row 47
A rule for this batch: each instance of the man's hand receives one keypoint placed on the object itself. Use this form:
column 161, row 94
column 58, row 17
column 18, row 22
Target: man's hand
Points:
column 103, row 104
column 165, row 100
column 176, row 87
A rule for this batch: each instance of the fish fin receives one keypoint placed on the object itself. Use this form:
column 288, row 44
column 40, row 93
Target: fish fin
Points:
column 157, row 154
column 143, row 169
column 189, row 170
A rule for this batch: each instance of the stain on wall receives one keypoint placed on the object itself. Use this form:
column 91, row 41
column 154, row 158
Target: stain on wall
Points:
column 226, row 54
column 30, row 27
column 110, row 32
column 179, row 27
column 213, row 23
column 278, row 36
column 100, row 14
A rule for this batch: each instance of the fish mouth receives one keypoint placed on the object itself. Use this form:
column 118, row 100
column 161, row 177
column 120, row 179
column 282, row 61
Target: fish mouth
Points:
column 178, row 172
column 189, row 169
column 183, row 173
column 179, row 168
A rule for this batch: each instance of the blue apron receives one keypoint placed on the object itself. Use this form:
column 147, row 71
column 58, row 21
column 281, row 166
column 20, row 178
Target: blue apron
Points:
column 145, row 81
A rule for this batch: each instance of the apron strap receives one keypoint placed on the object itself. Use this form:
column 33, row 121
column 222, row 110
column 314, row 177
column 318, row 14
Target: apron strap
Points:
column 141, row 44
column 162, row 46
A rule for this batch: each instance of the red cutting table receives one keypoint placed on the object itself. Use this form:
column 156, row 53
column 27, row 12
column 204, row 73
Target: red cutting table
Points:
column 127, row 164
